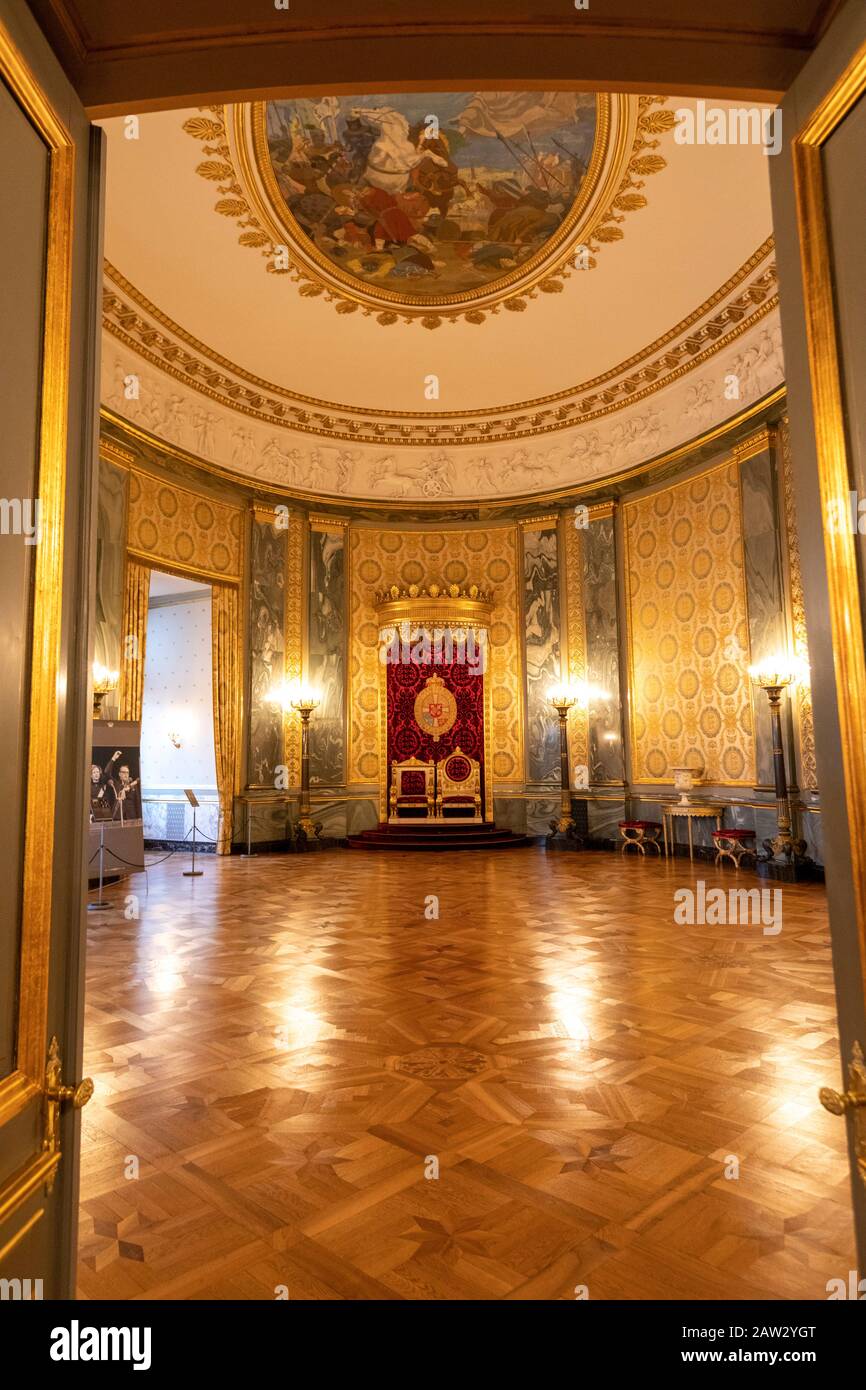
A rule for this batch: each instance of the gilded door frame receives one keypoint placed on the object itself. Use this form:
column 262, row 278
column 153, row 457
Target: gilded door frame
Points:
column 846, row 616
column 23, row 1085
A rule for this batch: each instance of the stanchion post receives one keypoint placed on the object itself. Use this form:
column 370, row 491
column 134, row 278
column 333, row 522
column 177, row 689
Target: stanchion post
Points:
column 100, row 905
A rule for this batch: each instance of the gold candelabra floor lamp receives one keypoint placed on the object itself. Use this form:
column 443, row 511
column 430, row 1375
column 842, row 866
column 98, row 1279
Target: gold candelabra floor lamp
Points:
column 784, row 854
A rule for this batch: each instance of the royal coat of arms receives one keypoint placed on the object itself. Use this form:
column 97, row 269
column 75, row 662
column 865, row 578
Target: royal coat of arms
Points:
column 435, row 708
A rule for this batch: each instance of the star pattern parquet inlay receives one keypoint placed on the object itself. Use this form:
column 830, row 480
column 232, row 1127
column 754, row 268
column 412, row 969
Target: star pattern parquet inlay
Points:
column 279, row 1047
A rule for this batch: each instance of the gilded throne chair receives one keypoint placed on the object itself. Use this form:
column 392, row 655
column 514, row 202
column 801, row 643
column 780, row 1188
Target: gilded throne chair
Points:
column 412, row 788
column 458, row 786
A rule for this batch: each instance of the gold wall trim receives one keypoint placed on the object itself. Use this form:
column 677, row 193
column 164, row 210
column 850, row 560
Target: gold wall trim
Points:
column 36, row 904
column 569, row 408
column 113, row 453
column 799, row 633
column 21, row 1233
column 26, row 1181
column 756, row 443
column 834, row 474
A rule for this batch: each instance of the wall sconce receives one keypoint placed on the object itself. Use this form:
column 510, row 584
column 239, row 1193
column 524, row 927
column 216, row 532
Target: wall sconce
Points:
column 104, row 681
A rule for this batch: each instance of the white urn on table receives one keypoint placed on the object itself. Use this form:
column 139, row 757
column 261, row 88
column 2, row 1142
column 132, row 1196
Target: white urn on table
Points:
column 685, row 781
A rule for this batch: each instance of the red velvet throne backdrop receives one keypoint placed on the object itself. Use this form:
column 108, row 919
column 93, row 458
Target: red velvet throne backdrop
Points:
column 407, row 740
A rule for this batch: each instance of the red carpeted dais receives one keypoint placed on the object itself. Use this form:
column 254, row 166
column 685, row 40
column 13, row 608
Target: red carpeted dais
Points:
column 414, row 834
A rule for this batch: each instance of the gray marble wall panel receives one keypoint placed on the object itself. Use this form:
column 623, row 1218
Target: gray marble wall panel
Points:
column 603, row 819
column 542, row 639
column 327, row 657
column 602, row 652
column 764, row 592
column 267, row 651
column 110, row 568
column 540, row 813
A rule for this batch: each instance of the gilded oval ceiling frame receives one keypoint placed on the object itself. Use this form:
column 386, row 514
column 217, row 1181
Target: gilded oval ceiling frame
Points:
column 240, row 162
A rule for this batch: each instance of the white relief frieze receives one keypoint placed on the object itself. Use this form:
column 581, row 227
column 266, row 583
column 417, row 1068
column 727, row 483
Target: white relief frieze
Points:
column 283, row 457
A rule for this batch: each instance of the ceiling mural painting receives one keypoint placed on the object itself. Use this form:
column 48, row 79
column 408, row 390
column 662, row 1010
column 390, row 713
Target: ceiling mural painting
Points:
column 432, row 206
column 281, row 373
column 431, row 194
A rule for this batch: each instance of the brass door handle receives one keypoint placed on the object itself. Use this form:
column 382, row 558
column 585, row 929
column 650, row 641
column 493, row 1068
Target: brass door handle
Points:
column 55, row 1095
column 837, row 1102
column 853, row 1099
column 79, row 1095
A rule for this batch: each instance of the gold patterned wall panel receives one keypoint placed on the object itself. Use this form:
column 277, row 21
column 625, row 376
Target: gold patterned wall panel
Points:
column 688, row 631
column 488, row 558
column 174, row 526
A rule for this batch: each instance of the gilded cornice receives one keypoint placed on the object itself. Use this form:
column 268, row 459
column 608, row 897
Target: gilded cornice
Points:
column 753, row 444
column 237, row 161
column 746, row 297
column 113, row 452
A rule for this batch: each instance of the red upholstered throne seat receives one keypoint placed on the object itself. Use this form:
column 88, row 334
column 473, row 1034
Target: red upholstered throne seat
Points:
column 412, row 788
column 458, row 785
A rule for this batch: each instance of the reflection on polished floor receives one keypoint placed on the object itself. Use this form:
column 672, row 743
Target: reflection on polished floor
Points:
column 284, row 1043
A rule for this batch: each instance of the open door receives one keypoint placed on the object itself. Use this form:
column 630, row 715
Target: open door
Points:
column 50, row 241
column 819, row 212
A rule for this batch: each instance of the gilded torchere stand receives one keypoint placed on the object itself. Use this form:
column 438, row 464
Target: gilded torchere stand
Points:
column 784, row 856
column 307, row 830
column 563, row 699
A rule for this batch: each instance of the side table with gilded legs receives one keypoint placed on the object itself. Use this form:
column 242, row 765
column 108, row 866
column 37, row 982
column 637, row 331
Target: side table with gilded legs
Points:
column 692, row 812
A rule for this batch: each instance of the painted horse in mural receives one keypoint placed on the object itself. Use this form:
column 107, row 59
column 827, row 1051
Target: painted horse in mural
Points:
column 393, row 157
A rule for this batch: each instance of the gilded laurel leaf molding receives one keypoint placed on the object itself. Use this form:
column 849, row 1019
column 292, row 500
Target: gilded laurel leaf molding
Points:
column 626, row 154
column 735, row 307
column 688, row 639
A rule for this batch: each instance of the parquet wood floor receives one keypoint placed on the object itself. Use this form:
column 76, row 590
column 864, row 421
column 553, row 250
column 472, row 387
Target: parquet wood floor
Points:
column 281, row 1046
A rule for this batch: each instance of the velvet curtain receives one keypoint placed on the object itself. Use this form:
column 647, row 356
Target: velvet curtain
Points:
column 136, row 594
column 226, row 705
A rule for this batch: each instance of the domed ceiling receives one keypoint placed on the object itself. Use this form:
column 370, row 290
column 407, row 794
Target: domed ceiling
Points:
column 435, row 296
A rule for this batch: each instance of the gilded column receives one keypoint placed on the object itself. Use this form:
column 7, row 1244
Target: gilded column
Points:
column 574, row 662
column 294, row 619
column 800, row 642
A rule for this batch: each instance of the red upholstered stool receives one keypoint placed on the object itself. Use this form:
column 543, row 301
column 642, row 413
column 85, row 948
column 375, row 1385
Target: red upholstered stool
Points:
column 640, row 833
column 734, row 845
